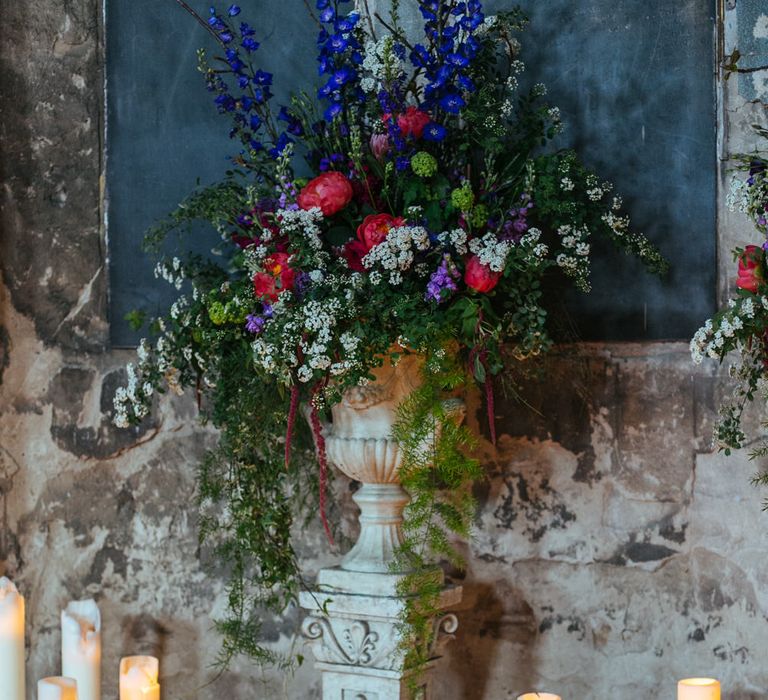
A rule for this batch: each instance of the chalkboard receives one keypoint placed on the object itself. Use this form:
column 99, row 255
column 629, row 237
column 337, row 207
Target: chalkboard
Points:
column 634, row 82
column 164, row 136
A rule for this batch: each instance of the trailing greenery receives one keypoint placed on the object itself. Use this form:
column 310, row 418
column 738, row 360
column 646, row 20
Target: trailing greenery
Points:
column 438, row 472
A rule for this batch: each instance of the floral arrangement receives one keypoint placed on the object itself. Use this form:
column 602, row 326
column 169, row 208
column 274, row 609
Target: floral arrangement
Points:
column 409, row 205
column 743, row 325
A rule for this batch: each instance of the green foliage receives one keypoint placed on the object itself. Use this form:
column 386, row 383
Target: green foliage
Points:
column 136, row 319
column 438, row 473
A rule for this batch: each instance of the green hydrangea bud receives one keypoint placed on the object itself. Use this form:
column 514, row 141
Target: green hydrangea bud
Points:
column 424, row 164
column 462, row 198
column 235, row 313
column 479, row 215
column 217, row 312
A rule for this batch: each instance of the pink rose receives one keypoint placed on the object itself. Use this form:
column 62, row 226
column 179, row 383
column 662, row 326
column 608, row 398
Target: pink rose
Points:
column 375, row 229
column 412, row 122
column 276, row 278
column 750, row 275
column 480, row 277
column 330, row 191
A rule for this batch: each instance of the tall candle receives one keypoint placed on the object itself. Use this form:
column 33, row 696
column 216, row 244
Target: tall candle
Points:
column 698, row 689
column 539, row 696
column 81, row 647
column 57, row 688
column 11, row 642
column 138, row 678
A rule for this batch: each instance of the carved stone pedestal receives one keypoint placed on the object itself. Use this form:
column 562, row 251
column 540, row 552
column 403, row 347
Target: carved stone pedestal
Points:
column 355, row 610
column 354, row 636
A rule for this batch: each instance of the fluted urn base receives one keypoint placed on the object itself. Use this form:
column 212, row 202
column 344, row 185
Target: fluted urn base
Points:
column 381, row 519
column 356, row 610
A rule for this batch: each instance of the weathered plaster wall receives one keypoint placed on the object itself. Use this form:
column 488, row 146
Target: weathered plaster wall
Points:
column 613, row 551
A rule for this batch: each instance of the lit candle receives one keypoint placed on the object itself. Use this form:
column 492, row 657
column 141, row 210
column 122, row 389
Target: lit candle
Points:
column 138, row 678
column 698, row 689
column 57, row 688
column 539, row 696
column 11, row 642
column 81, row 647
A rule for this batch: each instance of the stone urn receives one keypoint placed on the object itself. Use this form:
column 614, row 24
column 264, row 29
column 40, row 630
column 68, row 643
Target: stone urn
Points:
column 356, row 607
column 359, row 444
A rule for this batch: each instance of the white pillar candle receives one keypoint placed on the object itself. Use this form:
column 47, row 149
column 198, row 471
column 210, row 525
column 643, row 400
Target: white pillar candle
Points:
column 138, row 678
column 57, row 688
column 81, row 647
column 11, row 642
column 539, row 696
column 698, row 689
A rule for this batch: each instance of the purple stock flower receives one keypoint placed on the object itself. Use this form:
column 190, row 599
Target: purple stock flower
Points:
column 301, row 284
column 517, row 224
column 442, row 280
column 254, row 324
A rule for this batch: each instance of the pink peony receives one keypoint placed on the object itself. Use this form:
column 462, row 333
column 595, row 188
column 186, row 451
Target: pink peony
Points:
column 330, row 191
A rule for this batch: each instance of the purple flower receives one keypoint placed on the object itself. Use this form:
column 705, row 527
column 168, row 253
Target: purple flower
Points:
column 254, row 324
column 442, row 280
column 301, row 284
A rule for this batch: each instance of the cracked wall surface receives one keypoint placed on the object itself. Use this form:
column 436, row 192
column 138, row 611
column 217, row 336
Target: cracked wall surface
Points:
column 613, row 550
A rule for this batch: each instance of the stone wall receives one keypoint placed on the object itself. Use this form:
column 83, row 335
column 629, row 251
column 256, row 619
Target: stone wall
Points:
column 613, row 553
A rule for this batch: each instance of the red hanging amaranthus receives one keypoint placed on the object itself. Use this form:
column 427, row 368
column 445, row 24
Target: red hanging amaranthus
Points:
column 490, row 401
column 317, row 432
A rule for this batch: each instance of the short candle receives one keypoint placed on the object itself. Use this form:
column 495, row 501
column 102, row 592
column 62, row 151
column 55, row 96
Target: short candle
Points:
column 138, row 678
column 57, row 688
column 11, row 641
column 81, row 647
column 698, row 689
column 539, row 696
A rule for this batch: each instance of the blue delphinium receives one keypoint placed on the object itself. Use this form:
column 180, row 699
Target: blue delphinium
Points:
column 449, row 51
column 339, row 53
column 250, row 109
